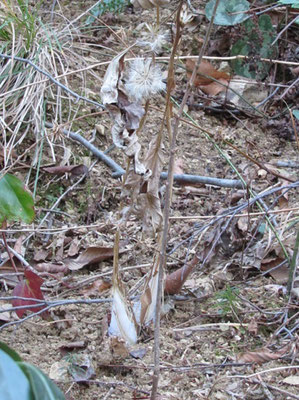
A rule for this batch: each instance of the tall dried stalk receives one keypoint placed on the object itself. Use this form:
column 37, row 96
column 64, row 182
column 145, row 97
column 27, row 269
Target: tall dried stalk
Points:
column 163, row 256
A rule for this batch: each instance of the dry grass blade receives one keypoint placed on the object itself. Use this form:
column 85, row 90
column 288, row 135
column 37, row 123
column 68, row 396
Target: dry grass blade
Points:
column 25, row 95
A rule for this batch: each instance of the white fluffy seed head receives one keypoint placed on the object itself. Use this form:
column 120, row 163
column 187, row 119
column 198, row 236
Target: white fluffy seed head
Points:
column 144, row 79
column 153, row 39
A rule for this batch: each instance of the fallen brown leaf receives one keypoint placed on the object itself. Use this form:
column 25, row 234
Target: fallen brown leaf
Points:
column 205, row 70
column 91, row 255
column 263, row 355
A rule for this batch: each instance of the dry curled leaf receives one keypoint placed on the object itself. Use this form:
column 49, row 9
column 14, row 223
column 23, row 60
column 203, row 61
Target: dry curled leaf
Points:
column 253, row 327
column 144, row 192
column 91, row 255
column 125, row 114
column 97, row 287
column 205, row 71
column 263, row 355
column 145, row 308
column 175, row 281
column 292, row 380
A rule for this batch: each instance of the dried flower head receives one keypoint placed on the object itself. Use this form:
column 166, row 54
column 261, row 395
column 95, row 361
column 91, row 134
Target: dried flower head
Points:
column 153, row 39
column 144, row 79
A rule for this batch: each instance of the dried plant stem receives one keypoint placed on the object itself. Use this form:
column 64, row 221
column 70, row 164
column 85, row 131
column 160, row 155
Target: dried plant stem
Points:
column 169, row 184
column 294, row 124
column 9, row 253
column 293, row 264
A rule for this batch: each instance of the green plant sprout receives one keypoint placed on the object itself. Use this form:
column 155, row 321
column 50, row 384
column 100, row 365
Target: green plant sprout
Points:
column 227, row 302
column 104, row 6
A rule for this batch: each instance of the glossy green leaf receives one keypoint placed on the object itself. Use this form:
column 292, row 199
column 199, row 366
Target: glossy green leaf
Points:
column 42, row 386
column 14, row 384
column 16, row 203
column 229, row 12
column 293, row 3
column 13, row 354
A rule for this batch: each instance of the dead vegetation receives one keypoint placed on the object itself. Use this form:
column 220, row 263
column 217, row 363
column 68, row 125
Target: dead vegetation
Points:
column 165, row 188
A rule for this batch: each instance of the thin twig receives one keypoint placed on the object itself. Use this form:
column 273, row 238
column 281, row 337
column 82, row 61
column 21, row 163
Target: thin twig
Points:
column 293, row 265
column 287, row 164
column 119, row 171
column 265, row 371
column 228, row 213
column 258, row 163
column 284, row 29
column 253, row 214
column 275, row 388
column 117, row 383
column 9, row 253
column 193, row 179
column 47, row 304
column 99, row 154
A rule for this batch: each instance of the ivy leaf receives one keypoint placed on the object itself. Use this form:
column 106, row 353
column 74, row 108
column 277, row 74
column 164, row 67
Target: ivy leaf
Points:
column 293, row 3
column 42, row 386
column 16, row 203
column 13, row 383
column 29, row 288
column 22, row 381
column 13, row 354
column 229, row 12
column 296, row 114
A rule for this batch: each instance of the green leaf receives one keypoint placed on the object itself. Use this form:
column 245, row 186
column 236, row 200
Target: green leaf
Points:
column 229, row 12
column 42, row 386
column 16, row 203
column 255, row 43
column 265, row 23
column 13, row 354
column 14, row 384
column 296, row 114
column 294, row 3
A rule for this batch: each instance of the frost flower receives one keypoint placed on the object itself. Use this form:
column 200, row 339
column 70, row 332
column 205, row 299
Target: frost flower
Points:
column 144, row 79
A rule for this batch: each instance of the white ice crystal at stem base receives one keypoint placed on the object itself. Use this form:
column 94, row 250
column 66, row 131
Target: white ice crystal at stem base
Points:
column 122, row 324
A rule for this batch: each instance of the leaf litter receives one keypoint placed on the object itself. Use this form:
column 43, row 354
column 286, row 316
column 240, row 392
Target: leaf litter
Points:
column 192, row 361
